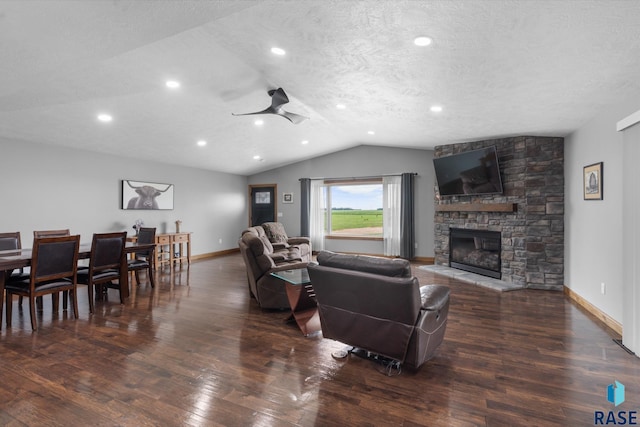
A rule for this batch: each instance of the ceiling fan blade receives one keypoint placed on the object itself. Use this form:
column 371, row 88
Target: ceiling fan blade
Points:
column 293, row 117
column 266, row 111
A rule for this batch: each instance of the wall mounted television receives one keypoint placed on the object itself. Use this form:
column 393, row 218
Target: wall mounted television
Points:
column 468, row 173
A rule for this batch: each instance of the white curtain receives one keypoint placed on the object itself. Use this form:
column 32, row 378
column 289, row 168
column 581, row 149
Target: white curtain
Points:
column 391, row 214
column 317, row 212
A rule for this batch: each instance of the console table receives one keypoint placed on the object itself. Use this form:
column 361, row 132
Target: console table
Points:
column 171, row 248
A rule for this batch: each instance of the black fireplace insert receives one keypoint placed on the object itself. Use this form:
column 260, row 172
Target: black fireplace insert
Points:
column 476, row 251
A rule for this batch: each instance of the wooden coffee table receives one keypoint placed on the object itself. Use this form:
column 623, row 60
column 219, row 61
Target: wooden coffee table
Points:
column 304, row 309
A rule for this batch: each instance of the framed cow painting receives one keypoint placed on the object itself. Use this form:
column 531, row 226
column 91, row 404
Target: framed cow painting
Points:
column 146, row 195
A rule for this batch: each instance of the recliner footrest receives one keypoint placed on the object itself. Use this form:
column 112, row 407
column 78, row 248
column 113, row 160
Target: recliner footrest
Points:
column 389, row 366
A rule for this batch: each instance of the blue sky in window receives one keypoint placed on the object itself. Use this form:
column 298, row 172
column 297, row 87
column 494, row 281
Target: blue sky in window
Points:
column 357, row 196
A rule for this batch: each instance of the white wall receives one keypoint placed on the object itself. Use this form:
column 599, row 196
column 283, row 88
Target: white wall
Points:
column 49, row 188
column 631, row 239
column 357, row 162
column 593, row 229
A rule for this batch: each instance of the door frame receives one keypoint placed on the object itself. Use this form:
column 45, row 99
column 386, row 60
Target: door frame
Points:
column 275, row 199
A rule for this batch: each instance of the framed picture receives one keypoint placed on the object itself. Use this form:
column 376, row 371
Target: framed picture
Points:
column 592, row 182
column 287, row 197
column 146, row 195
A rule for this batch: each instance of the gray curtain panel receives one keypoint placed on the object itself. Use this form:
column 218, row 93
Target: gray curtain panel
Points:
column 407, row 226
column 305, row 207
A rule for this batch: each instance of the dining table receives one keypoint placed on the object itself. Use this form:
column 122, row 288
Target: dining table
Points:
column 19, row 258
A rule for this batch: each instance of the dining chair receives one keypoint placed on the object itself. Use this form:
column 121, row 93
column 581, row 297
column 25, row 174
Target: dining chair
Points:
column 144, row 260
column 10, row 241
column 54, row 265
column 105, row 263
column 51, row 233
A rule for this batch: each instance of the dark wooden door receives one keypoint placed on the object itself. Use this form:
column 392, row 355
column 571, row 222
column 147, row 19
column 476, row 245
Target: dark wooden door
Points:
column 263, row 204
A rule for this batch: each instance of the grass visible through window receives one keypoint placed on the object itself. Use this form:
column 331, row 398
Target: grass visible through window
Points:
column 356, row 208
column 356, row 223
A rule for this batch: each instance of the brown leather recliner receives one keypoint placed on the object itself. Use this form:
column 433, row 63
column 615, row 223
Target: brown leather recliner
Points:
column 278, row 237
column 375, row 304
column 279, row 252
column 269, row 291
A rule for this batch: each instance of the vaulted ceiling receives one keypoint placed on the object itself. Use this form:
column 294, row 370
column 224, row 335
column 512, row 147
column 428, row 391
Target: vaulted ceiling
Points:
column 497, row 68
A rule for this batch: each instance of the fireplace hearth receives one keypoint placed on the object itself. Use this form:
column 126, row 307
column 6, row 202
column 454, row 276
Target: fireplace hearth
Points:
column 476, row 251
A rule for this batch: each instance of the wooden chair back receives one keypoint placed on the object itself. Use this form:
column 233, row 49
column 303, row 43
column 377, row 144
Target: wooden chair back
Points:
column 146, row 235
column 105, row 264
column 144, row 260
column 10, row 241
column 54, row 258
column 50, row 233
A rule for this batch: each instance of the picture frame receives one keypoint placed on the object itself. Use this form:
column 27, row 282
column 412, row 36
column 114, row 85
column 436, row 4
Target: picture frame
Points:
column 592, row 181
column 141, row 195
column 287, row 197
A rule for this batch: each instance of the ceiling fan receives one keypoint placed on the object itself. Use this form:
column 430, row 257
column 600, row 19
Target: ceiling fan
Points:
column 278, row 99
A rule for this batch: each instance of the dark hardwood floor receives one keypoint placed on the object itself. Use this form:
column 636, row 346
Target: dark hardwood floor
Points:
column 198, row 351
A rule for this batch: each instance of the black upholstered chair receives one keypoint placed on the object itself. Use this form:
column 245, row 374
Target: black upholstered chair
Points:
column 378, row 307
column 54, row 266
column 37, row 234
column 105, row 263
column 144, row 260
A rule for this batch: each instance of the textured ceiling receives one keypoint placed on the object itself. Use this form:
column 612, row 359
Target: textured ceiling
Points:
column 498, row 68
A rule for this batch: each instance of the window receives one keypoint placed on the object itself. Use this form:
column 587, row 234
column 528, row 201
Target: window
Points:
column 355, row 208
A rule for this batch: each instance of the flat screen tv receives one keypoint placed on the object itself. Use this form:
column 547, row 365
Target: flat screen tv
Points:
column 468, row 173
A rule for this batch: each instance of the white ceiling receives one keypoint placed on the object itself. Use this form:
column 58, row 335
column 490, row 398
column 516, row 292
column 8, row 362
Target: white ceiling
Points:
column 498, row 68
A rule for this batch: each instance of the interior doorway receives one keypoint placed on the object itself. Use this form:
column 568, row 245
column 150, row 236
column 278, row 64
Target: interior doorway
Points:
column 263, row 204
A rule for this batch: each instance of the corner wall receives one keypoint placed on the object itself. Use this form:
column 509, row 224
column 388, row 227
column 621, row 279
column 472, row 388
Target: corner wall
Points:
column 594, row 231
column 532, row 170
column 46, row 187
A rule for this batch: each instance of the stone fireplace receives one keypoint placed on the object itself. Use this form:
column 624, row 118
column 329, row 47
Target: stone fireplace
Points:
column 529, row 215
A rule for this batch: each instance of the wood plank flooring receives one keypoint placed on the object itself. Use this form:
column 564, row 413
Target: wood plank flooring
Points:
column 198, row 351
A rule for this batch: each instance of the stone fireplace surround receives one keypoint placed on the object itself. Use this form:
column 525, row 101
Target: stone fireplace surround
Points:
column 532, row 170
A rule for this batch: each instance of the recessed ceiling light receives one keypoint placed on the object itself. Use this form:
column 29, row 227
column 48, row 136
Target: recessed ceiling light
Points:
column 305, row 142
column 422, row 41
column 173, row 84
column 278, row 51
column 341, row 106
column 259, row 122
column 105, row 118
column 256, row 157
column 201, row 143
column 371, row 132
column 436, row 108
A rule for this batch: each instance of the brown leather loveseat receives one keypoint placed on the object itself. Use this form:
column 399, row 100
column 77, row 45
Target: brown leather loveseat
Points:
column 281, row 251
column 261, row 260
column 279, row 239
column 375, row 304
